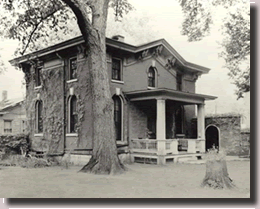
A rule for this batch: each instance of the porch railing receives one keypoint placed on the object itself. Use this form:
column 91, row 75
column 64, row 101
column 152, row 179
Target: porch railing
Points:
column 144, row 145
column 172, row 146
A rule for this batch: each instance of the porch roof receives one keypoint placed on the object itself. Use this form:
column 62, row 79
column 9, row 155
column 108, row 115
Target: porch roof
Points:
column 168, row 94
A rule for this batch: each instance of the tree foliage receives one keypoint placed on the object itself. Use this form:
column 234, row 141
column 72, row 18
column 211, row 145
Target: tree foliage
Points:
column 41, row 23
column 199, row 17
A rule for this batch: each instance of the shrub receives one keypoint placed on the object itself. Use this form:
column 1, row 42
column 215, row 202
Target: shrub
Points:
column 14, row 144
column 25, row 162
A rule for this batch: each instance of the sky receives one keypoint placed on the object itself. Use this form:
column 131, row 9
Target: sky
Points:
column 159, row 20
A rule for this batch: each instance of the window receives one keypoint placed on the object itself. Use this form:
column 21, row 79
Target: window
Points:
column 38, row 76
column 39, row 122
column 7, row 126
column 179, row 82
column 73, row 68
column 73, row 116
column 151, row 77
column 118, row 117
column 116, row 69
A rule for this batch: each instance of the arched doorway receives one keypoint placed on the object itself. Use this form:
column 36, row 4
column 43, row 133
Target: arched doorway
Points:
column 212, row 137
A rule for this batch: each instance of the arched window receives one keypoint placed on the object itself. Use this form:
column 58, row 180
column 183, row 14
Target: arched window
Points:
column 73, row 115
column 118, row 117
column 38, row 111
column 151, row 77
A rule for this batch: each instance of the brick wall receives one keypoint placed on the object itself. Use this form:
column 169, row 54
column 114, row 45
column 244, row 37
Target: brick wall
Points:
column 137, row 122
column 230, row 132
column 245, row 143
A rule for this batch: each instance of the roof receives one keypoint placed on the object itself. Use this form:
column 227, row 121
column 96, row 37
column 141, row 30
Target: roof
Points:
column 164, row 93
column 9, row 104
column 112, row 43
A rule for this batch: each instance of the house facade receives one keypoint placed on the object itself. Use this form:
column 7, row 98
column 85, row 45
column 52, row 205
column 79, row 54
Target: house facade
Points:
column 152, row 86
column 12, row 116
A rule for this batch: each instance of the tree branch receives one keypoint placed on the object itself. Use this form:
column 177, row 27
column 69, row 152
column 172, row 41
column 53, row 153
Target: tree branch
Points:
column 36, row 25
column 79, row 8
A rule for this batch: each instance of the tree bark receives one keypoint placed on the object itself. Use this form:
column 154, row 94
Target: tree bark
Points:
column 217, row 175
column 104, row 158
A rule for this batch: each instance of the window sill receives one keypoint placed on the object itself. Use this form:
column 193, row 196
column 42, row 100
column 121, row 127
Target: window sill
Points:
column 72, row 80
column 149, row 87
column 72, row 134
column 40, row 134
column 37, row 87
column 116, row 81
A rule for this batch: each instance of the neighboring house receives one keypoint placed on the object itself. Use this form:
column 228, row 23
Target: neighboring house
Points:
column 12, row 116
column 152, row 86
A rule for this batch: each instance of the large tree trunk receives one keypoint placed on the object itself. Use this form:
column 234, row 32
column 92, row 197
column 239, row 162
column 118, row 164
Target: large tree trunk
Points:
column 216, row 173
column 104, row 159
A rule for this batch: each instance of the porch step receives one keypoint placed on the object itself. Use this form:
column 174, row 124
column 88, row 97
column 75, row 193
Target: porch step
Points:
column 185, row 157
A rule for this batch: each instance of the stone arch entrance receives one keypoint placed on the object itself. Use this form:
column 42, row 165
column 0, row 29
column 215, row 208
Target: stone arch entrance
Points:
column 212, row 137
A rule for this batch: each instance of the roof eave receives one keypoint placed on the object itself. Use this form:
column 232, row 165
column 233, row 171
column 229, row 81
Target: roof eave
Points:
column 112, row 43
column 133, row 94
column 183, row 62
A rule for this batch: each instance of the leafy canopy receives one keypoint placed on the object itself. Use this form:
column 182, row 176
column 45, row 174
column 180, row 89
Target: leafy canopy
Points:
column 30, row 22
column 235, row 28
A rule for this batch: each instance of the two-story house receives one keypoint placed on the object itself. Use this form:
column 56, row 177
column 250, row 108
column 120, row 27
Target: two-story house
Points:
column 152, row 86
column 12, row 116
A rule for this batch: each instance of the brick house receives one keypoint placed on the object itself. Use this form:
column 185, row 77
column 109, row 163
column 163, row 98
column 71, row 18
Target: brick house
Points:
column 152, row 86
column 12, row 115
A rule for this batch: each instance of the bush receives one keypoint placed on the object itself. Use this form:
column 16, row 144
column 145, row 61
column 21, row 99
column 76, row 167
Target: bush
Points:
column 25, row 162
column 13, row 145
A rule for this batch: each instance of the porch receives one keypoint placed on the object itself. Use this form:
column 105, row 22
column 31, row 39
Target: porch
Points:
column 168, row 136
column 146, row 150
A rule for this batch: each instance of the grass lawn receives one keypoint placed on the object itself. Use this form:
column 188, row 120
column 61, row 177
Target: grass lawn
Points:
column 140, row 181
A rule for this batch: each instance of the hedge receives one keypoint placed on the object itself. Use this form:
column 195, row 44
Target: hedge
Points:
column 14, row 144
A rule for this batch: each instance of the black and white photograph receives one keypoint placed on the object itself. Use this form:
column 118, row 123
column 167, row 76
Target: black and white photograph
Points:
column 125, row 99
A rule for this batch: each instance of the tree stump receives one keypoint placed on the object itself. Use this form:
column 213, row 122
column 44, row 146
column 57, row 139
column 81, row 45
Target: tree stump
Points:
column 216, row 171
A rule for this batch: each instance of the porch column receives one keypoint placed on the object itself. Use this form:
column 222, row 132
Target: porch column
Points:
column 160, row 130
column 201, row 126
